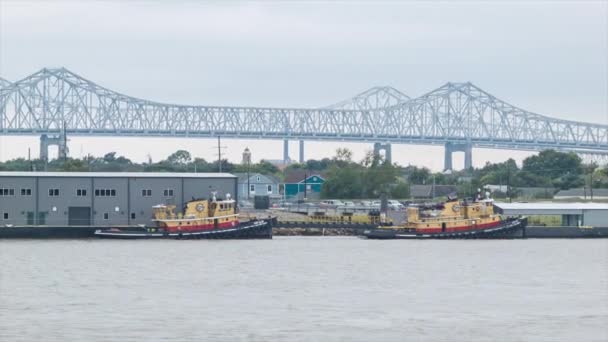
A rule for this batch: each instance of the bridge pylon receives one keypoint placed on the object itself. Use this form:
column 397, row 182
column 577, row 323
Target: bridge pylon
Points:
column 386, row 147
column 450, row 148
column 286, row 158
column 301, row 159
column 59, row 140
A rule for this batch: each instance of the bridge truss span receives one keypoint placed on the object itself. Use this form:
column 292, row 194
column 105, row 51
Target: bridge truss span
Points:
column 456, row 113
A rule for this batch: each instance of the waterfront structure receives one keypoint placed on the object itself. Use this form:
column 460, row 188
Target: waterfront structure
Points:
column 458, row 116
column 300, row 184
column 571, row 214
column 257, row 184
column 101, row 198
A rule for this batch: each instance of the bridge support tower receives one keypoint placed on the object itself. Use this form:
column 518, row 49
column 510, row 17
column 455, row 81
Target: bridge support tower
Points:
column 286, row 151
column 301, row 159
column 458, row 147
column 59, row 140
column 387, row 151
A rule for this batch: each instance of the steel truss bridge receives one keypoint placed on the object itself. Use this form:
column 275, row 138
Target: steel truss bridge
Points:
column 458, row 115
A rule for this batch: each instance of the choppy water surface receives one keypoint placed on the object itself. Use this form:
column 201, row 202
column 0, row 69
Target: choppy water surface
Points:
column 304, row 289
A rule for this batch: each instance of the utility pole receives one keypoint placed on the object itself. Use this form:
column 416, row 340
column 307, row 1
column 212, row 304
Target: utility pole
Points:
column 591, row 185
column 509, row 183
column 219, row 154
column 305, row 185
column 65, row 141
column 30, row 160
column 248, row 183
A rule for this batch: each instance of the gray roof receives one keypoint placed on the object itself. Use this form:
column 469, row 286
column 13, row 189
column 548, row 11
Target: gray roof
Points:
column 549, row 208
column 554, row 205
column 582, row 192
column 117, row 174
column 242, row 176
column 426, row 191
column 527, row 190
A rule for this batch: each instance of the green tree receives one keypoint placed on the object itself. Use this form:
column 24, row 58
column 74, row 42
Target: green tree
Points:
column 417, row 175
column 179, row 157
column 400, row 190
column 553, row 164
column 109, row 157
column 343, row 182
column 74, row 165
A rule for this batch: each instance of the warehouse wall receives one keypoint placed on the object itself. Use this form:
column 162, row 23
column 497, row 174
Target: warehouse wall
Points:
column 595, row 218
column 17, row 207
column 127, row 207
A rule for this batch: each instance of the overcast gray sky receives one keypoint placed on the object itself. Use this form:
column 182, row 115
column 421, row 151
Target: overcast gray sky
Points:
column 547, row 57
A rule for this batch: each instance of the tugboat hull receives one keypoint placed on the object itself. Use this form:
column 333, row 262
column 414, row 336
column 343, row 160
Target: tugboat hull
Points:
column 261, row 229
column 507, row 229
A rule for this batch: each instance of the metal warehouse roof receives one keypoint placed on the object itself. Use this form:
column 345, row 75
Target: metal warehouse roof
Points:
column 549, row 208
column 117, row 174
column 554, row 206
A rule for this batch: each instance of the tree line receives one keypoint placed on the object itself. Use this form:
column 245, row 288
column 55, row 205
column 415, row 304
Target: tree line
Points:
column 367, row 178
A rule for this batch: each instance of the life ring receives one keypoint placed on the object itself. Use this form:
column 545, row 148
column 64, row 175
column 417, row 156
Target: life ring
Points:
column 456, row 208
column 200, row 207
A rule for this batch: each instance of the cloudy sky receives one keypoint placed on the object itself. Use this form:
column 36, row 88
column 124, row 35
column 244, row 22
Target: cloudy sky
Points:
column 547, row 57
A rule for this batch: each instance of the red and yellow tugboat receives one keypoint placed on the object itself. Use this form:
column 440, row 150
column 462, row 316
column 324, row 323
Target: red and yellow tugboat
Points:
column 452, row 219
column 201, row 219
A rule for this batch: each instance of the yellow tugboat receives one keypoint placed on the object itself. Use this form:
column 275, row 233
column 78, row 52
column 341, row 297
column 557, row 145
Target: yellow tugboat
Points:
column 452, row 219
column 201, row 219
column 198, row 215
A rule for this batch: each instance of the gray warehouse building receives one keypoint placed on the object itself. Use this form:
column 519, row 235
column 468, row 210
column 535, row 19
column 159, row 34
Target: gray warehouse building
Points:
column 572, row 214
column 101, row 198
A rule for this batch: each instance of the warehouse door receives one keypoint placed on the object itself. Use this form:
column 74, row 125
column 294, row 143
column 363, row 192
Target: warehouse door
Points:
column 79, row 216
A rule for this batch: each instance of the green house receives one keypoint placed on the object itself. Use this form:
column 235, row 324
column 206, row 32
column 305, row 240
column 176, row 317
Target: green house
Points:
column 301, row 184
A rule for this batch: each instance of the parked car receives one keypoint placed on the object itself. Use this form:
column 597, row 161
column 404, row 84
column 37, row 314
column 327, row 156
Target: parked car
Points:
column 395, row 205
column 245, row 204
column 331, row 203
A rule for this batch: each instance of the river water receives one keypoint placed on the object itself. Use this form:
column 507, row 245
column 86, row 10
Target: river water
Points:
column 304, row 289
